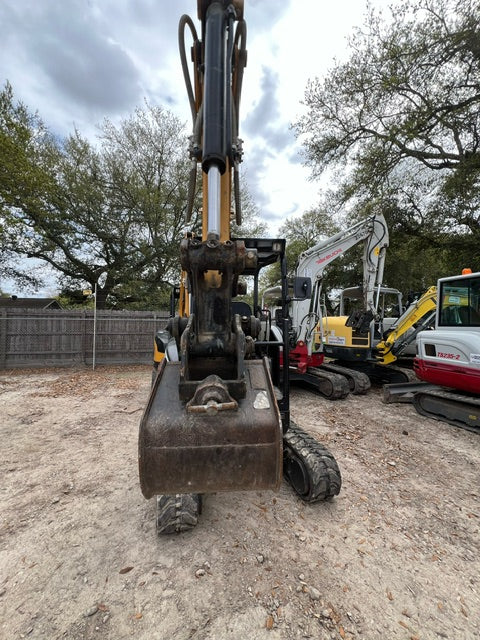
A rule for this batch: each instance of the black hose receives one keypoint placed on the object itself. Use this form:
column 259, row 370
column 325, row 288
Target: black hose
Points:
column 241, row 63
column 192, row 182
column 236, row 193
column 184, row 21
column 370, row 248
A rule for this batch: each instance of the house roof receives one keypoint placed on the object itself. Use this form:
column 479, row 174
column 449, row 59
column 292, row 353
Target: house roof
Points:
column 30, row 303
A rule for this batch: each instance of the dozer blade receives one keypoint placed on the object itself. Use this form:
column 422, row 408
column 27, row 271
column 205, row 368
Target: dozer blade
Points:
column 190, row 451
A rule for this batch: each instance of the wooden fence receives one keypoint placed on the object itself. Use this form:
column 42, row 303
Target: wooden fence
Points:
column 39, row 338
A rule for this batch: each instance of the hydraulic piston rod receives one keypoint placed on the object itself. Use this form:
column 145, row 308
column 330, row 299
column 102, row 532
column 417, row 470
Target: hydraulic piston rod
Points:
column 213, row 203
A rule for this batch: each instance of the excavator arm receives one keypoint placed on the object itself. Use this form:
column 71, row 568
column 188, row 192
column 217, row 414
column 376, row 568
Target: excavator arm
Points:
column 418, row 316
column 212, row 422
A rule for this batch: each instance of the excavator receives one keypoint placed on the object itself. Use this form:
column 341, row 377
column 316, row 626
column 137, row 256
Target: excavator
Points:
column 306, row 357
column 447, row 363
column 349, row 341
column 218, row 414
column 448, row 357
column 346, row 341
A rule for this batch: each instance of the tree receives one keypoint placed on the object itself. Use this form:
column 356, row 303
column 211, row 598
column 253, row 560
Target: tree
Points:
column 400, row 122
column 118, row 209
column 22, row 178
column 252, row 226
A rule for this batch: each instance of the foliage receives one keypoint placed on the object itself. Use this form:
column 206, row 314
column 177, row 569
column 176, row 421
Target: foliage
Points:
column 252, row 226
column 118, row 209
column 399, row 122
column 21, row 137
column 75, row 299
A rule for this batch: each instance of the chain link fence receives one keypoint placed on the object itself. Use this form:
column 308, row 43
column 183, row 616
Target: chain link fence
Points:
column 46, row 338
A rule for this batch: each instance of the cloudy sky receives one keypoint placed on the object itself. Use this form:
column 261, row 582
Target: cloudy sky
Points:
column 77, row 62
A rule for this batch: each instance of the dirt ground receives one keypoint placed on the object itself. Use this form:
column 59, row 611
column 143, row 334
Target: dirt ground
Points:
column 394, row 556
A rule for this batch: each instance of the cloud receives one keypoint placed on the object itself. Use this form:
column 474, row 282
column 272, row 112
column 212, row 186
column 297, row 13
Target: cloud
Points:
column 266, row 109
column 96, row 73
column 265, row 119
column 66, row 49
column 262, row 15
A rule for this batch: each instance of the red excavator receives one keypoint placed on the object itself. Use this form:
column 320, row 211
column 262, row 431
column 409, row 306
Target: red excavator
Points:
column 218, row 416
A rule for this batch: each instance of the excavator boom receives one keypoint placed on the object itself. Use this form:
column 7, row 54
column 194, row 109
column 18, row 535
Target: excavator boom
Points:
column 417, row 317
column 312, row 263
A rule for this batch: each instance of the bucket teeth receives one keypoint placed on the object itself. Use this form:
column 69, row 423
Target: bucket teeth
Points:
column 178, row 513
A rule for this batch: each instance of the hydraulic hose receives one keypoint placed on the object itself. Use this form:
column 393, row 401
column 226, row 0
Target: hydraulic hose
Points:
column 240, row 62
column 184, row 22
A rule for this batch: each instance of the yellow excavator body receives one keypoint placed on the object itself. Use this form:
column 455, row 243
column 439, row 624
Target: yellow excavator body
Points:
column 336, row 333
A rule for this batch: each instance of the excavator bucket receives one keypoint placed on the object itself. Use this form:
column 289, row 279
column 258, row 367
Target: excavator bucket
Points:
column 226, row 445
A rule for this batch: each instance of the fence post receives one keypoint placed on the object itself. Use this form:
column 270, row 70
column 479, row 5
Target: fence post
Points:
column 84, row 337
column 3, row 339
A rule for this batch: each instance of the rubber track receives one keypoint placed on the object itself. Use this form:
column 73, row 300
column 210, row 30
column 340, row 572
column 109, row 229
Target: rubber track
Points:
column 358, row 381
column 319, row 467
column 395, row 374
column 458, row 409
column 331, row 385
column 177, row 513
column 380, row 374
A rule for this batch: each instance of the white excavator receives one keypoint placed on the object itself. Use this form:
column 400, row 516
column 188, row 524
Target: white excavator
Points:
column 448, row 357
column 447, row 363
column 307, row 355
